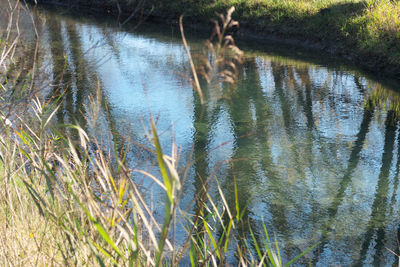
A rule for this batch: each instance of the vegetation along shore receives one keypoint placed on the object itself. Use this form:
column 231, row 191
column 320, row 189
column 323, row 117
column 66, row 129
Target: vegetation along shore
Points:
column 365, row 31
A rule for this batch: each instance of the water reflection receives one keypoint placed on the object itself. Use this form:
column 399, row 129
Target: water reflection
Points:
column 314, row 149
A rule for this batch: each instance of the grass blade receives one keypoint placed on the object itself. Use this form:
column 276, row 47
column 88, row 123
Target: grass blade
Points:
column 301, row 255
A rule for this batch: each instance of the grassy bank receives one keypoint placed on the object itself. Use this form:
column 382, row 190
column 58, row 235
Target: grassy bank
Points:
column 366, row 31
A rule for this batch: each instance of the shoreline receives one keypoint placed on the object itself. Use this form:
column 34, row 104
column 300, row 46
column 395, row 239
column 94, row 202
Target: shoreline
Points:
column 342, row 48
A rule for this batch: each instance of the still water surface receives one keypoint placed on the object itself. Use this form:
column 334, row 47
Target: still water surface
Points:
column 313, row 144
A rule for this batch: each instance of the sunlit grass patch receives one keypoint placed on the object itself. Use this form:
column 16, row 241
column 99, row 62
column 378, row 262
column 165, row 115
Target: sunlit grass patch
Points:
column 370, row 29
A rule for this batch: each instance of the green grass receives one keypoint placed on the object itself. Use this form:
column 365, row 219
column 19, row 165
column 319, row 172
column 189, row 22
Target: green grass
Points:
column 369, row 28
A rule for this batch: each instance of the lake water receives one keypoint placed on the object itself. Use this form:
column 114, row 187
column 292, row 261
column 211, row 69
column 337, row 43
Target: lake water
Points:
column 312, row 142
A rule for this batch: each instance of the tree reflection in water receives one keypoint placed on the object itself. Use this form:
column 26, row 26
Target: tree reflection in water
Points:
column 301, row 140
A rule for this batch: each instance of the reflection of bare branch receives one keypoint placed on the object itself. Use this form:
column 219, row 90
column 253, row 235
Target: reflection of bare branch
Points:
column 139, row 8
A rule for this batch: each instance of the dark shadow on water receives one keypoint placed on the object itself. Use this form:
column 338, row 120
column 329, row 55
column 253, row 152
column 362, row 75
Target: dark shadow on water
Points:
column 377, row 222
column 346, row 179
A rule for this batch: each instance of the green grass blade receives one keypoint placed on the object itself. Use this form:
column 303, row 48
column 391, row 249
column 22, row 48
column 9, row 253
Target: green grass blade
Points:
column 27, row 136
column 36, row 198
column 101, row 263
column 49, row 181
column 260, row 256
column 170, row 202
column 25, row 154
column 108, row 255
column 98, row 226
column 301, row 255
column 23, row 138
column 270, row 252
column 106, row 237
column 227, row 236
column 236, row 201
column 278, row 252
column 192, row 254
column 266, row 233
column 163, row 168
column 212, row 239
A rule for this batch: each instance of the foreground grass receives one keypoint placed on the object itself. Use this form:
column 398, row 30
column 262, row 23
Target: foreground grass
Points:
column 64, row 204
column 366, row 30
